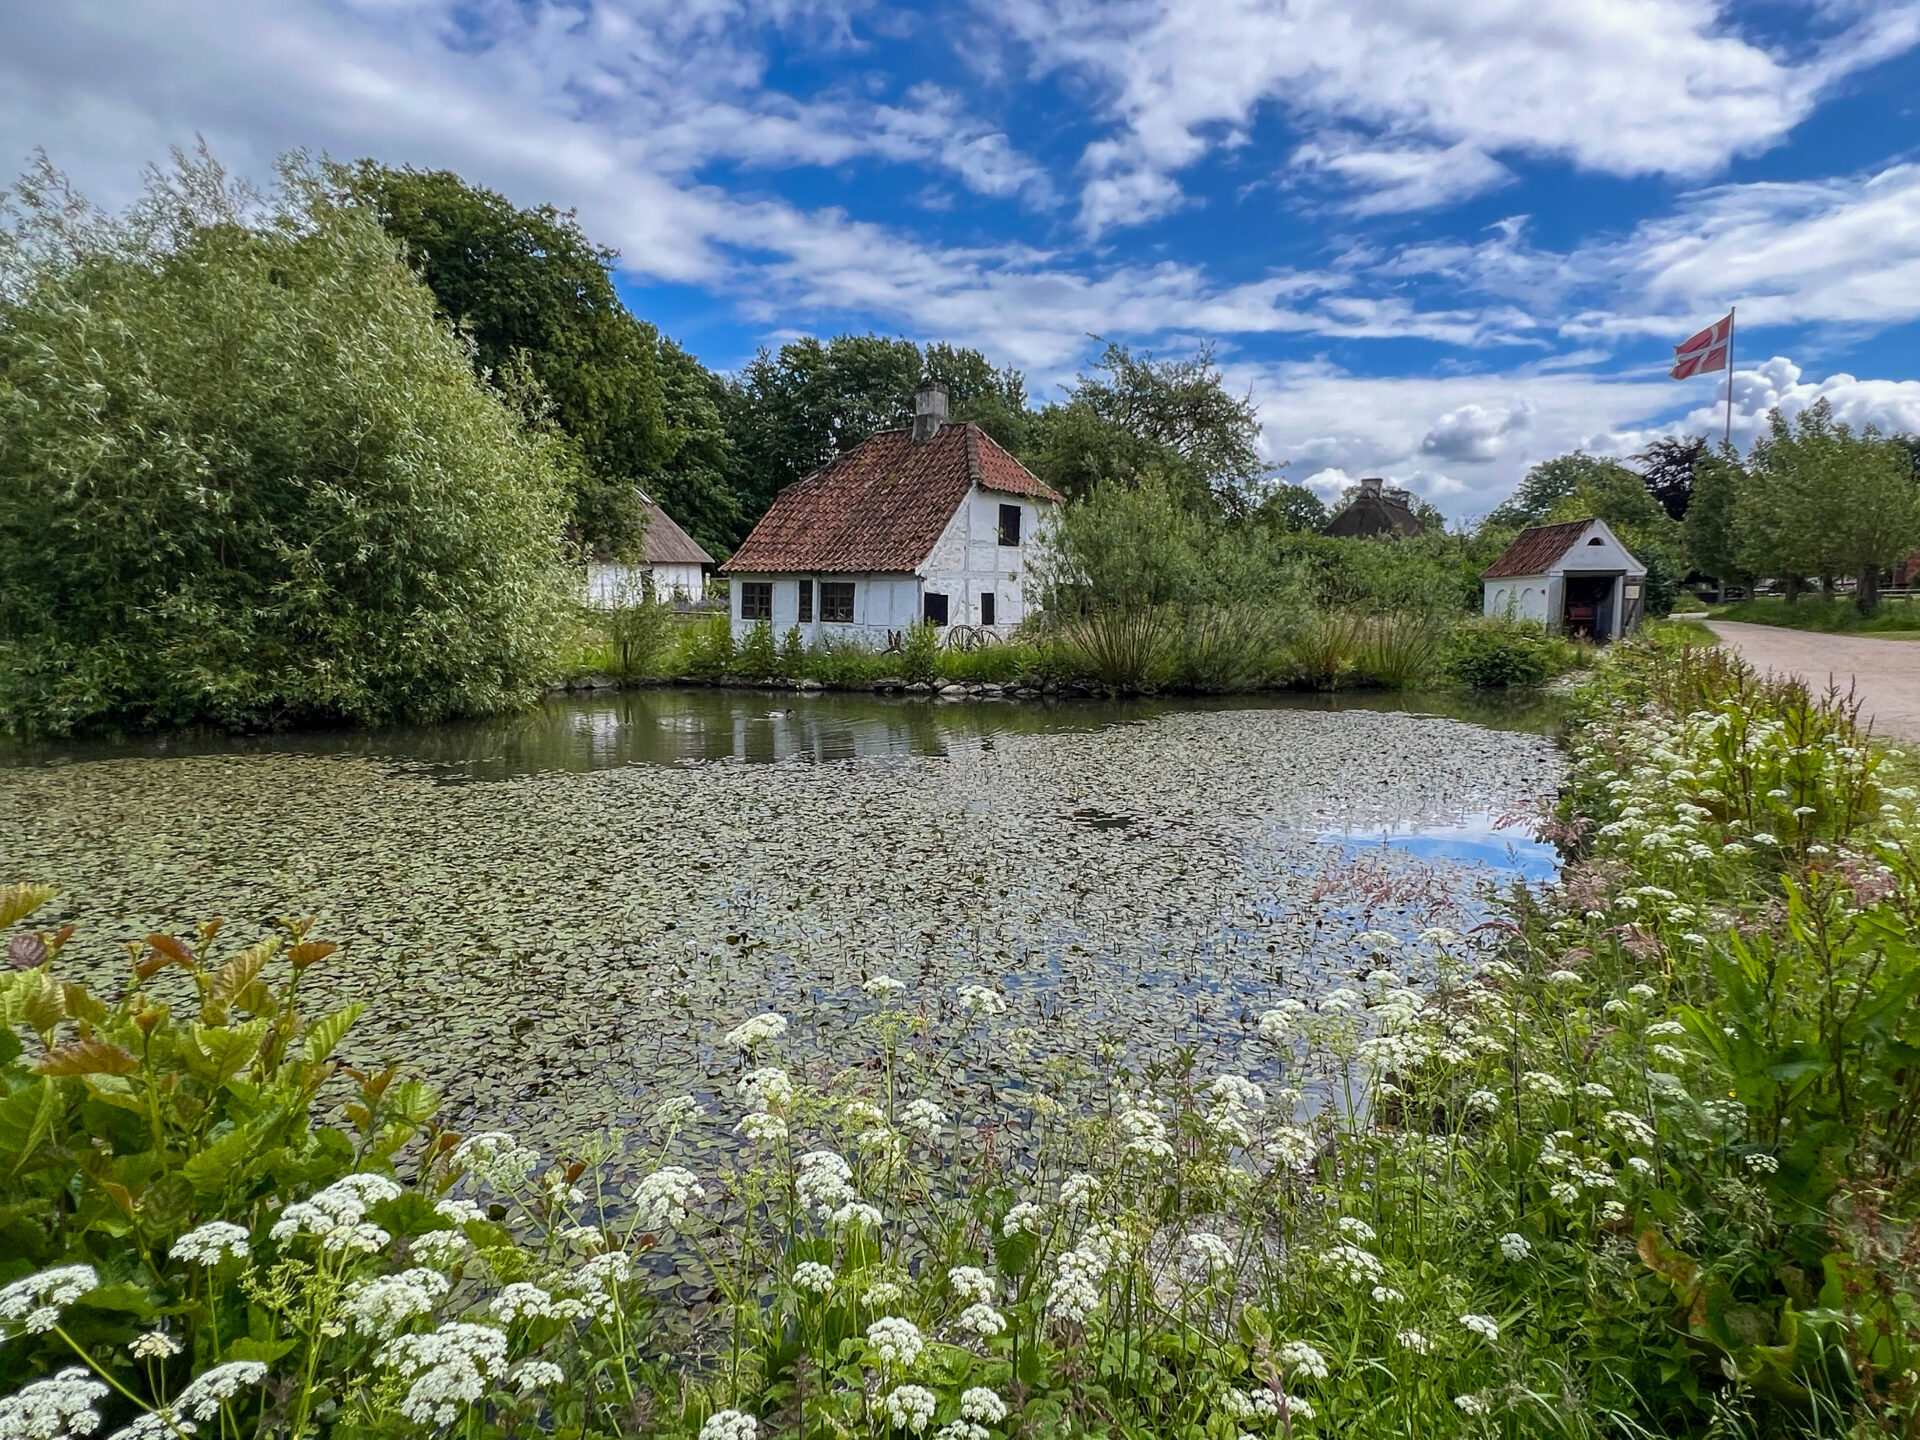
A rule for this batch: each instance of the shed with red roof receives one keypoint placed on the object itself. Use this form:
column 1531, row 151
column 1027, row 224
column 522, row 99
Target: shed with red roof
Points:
column 1576, row 578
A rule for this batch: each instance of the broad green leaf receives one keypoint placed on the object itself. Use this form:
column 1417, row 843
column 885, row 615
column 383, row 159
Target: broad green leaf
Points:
column 325, row 1034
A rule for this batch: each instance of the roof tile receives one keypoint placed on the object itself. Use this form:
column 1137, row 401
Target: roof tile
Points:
column 1534, row 549
column 881, row 506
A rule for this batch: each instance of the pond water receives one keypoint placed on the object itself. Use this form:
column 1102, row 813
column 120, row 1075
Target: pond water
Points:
column 555, row 917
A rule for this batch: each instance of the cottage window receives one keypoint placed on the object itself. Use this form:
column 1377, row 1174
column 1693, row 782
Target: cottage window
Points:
column 933, row 609
column 987, row 608
column 756, row 600
column 836, row 602
column 806, row 602
column 1009, row 524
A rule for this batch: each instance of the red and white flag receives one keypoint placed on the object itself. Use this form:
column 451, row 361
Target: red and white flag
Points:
column 1703, row 352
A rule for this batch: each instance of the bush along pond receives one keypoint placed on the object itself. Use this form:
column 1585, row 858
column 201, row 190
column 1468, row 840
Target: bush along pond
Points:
column 1633, row 1154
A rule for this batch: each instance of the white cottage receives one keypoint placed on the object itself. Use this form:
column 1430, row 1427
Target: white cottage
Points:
column 672, row 565
column 933, row 523
column 1575, row 578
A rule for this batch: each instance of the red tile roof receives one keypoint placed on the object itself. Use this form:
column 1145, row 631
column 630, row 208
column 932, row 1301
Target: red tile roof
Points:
column 882, row 505
column 1534, row 549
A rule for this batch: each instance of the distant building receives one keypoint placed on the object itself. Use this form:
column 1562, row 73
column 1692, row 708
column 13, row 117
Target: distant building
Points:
column 672, row 565
column 1575, row 578
column 933, row 523
column 1379, row 509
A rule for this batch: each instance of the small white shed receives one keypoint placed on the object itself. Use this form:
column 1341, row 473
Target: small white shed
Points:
column 1576, row 578
column 672, row 566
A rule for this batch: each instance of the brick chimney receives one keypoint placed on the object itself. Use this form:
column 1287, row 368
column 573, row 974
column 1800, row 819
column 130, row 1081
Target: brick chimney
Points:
column 929, row 410
column 1371, row 485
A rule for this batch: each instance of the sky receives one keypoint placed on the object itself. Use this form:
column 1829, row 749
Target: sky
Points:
column 1435, row 240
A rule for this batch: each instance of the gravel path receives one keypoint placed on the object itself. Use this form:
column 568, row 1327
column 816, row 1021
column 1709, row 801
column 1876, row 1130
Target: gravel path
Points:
column 1884, row 673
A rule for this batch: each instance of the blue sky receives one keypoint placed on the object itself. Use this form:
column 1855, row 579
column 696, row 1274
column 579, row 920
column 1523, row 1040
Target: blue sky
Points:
column 1437, row 240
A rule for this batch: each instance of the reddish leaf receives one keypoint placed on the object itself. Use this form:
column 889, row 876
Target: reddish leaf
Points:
column 308, row 952
column 170, row 946
column 88, row 1057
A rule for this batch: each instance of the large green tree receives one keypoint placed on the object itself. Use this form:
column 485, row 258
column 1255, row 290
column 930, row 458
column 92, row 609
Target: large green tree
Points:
column 1711, row 537
column 790, row 411
column 1134, row 416
column 1823, row 499
column 247, row 475
column 533, row 292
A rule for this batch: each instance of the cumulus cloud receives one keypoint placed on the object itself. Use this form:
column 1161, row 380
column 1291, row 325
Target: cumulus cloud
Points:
column 1631, row 87
column 1476, row 433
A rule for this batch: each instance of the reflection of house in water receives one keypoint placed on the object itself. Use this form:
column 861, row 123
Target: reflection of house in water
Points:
column 1575, row 578
column 652, row 727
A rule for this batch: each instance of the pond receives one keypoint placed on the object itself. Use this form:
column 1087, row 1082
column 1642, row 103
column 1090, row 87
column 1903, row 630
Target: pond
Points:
column 555, row 917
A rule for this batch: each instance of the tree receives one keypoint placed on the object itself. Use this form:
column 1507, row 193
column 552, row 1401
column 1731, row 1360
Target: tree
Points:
column 247, row 475
column 1822, row 499
column 1550, row 482
column 1668, row 468
column 528, row 288
column 1292, row 510
column 790, row 411
column 1711, row 542
column 1136, row 415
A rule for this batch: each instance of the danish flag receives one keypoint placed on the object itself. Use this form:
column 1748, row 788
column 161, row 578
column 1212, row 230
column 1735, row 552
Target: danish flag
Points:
column 1703, row 352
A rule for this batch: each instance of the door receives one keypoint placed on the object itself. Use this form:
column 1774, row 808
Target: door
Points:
column 1589, row 608
column 934, row 609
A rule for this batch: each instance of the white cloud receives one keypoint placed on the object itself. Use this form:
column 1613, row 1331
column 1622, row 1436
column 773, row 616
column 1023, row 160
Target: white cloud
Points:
column 1628, row 87
column 1386, row 178
column 1475, row 432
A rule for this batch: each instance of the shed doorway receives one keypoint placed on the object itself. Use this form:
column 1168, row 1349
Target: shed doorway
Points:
column 1588, row 608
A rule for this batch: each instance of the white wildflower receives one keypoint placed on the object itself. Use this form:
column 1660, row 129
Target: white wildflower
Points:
column 729, row 1425
column 1485, row 1326
column 211, row 1243
column 1386, row 1295
column 440, row 1247
column 924, row 1116
column 983, row 1406
column 1026, row 1217
column 858, row 1212
column 970, row 1283
column 910, row 1407
column 1298, row 1358
column 981, row 1000
column 662, row 1198
column 1205, row 1254
column 38, row 1299
column 1284, row 1022
column 57, row 1409
column 761, row 1126
column 884, row 986
column 522, row 1300
column 1077, row 1189
column 1762, row 1164
column 813, row 1276
column 1473, row 1404
column 677, row 1111
column 495, row 1158
column 1352, row 1264
column 1413, row 1340
column 532, row 1375
column 823, row 1182
column 379, row 1307
column 766, row 1088
column 203, row 1395
column 1356, row 1230
column 448, row 1368
column 761, row 1028
column 881, row 1293
column 895, row 1341
column 983, row 1320
column 1515, row 1246
column 154, row 1345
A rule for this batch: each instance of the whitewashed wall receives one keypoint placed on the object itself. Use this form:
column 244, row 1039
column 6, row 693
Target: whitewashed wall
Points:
column 1528, row 597
column 609, row 584
column 969, row 561
column 881, row 603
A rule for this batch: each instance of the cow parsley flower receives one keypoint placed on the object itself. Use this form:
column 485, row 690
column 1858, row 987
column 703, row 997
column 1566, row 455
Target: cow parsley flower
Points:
column 981, row 1000
column 39, row 1299
column 379, row 1307
column 448, row 1369
column 522, row 1300
column 1298, row 1358
column 729, row 1425
column 1077, row 1189
column 858, row 1212
column 1485, row 1326
column 766, row 1088
column 880, row 1293
column 1025, row 1217
column 1352, row 1264
column 982, row 1320
column 57, row 1409
column 1386, row 1295
column 962, row 1430
column 823, row 1181
column 1205, row 1253
column 895, row 1341
column 495, row 1158
column 1413, row 1340
column 663, row 1197
column 910, row 1407
column 1538, row 1082
column 757, row 1031
column 884, row 986
column 154, row 1345
column 970, row 1283
column 1762, row 1164
column 1484, row 1102
column 1473, row 1404
column 677, row 1111
column 440, row 1247
column 211, row 1243
column 982, row 1405
column 210, row 1389
column 1514, row 1246
column 924, row 1116
column 532, row 1375
column 1356, row 1230
column 812, row 1276
column 762, row 1126
column 1284, row 1023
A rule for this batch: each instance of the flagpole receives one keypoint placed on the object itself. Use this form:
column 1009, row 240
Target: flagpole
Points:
column 1729, row 435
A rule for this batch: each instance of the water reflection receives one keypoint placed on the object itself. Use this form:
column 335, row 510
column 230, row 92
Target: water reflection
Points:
column 674, row 726
column 1481, row 841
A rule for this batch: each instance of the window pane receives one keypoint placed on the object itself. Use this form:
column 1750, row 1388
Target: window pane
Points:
column 934, row 609
column 806, row 601
column 836, row 602
column 1009, row 524
column 987, row 609
column 756, row 600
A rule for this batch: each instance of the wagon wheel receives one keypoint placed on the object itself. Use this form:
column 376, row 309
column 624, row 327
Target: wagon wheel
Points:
column 967, row 637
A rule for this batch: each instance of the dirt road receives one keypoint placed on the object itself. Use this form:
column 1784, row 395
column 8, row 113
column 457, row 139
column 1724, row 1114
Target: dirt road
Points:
column 1884, row 673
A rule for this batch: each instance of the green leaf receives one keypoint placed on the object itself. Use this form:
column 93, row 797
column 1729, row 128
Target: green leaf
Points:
column 325, row 1034
column 267, row 1351
column 27, row 1118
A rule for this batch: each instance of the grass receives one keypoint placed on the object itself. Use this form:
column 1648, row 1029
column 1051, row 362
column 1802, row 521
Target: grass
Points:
column 1897, row 618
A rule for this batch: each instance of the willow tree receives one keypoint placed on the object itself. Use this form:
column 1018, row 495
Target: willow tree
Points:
column 248, row 476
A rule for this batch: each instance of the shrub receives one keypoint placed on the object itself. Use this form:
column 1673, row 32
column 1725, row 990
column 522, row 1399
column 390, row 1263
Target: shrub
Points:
column 919, row 658
column 1001, row 663
column 641, row 629
column 848, row 664
column 1218, row 649
column 1492, row 652
column 247, row 478
column 1320, row 653
column 706, row 649
column 793, row 655
column 1399, row 650
column 757, row 658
